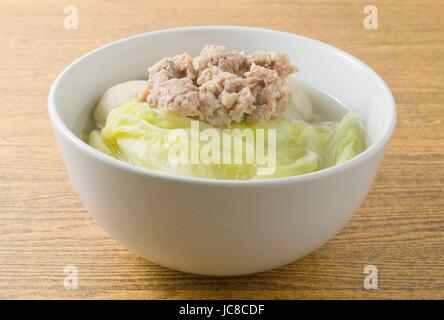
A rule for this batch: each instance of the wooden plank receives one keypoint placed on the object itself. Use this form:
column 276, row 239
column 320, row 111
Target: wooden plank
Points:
column 399, row 228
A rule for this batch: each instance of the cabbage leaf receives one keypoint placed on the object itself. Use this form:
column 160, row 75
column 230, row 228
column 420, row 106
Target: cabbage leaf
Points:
column 142, row 136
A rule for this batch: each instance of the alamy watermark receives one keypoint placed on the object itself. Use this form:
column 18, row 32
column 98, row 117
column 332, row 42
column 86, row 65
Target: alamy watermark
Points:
column 70, row 281
column 71, row 20
column 224, row 146
column 370, row 21
column 371, row 278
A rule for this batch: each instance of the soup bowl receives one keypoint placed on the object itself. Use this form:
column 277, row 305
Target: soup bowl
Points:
column 218, row 227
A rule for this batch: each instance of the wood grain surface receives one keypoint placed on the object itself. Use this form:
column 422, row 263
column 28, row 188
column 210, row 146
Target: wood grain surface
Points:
column 399, row 228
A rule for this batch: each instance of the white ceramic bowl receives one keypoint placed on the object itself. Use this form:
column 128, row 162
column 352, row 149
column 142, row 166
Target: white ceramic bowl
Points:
column 216, row 227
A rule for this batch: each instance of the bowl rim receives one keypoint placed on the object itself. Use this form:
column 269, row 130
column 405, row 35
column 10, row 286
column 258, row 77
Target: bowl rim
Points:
column 379, row 143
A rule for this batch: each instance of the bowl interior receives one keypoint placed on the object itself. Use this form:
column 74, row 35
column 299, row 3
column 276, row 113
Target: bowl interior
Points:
column 321, row 66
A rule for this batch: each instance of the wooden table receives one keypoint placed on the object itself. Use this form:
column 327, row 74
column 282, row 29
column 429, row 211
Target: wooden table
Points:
column 399, row 228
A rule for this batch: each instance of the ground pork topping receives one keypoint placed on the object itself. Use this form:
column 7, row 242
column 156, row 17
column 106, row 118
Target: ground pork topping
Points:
column 270, row 92
column 273, row 60
column 225, row 59
column 220, row 86
column 176, row 96
column 176, row 67
column 224, row 97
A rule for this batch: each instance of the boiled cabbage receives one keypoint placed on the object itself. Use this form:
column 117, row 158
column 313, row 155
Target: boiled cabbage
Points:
column 148, row 138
